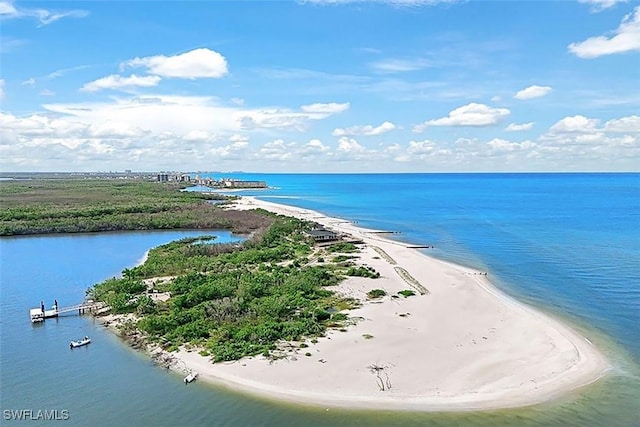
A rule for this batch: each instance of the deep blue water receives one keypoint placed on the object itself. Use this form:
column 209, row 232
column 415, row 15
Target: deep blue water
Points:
column 568, row 243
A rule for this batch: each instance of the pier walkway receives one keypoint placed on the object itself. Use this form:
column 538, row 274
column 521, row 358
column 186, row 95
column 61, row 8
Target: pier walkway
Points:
column 40, row 314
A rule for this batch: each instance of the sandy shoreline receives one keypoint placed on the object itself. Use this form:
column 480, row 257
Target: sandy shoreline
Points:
column 463, row 345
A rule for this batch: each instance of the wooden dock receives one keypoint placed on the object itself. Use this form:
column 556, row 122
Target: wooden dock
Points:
column 40, row 314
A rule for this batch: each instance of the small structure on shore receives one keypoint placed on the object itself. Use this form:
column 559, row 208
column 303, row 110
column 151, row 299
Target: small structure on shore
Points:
column 319, row 233
column 322, row 235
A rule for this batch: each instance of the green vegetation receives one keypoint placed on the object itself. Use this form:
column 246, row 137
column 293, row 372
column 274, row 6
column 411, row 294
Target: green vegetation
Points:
column 376, row 293
column 406, row 293
column 344, row 247
column 88, row 205
column 363, row 272
column 341, row 258
column 367, row 336
column 233, row 300
column 227, row 300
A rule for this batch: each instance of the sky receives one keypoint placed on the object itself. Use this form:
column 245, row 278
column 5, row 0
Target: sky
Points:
column 320, row 86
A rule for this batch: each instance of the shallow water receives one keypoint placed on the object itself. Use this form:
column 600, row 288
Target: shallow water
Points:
column 567, row 243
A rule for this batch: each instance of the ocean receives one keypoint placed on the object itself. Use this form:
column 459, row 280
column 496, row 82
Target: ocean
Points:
column 568, row 244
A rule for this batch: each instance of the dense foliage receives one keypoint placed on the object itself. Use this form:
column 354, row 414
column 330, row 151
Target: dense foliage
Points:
column 86, row 205
column 234, row 300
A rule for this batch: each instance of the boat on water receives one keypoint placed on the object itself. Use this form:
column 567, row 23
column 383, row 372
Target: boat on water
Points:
column 191, row 377
column 79, row 343
column 37, row 315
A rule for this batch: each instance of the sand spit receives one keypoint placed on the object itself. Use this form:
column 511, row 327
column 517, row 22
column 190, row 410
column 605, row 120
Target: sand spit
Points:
column 458, row 344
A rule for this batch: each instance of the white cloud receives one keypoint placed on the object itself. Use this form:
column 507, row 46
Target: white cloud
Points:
column 47, row 92
column 181, row 114
column 625, row 39
column 421, row 147
column 7, row 9
column 367, row 130
column 276, row 150
column 349, row 145
column 630, row 124
column 472, row 114
column 499, row 144
column 197, row 63
column 44, row 16
column 115, row 81
column 199, row 135
column 238, row 138
column 575, row 124
column 317, row 145
column 515, row 127
column 238, row 101
column 600, row 5
column 29, row 82
column 325, row 109
column 534, row 91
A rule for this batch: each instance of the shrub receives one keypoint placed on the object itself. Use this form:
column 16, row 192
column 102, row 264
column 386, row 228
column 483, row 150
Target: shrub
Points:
column 376, row 293
column 339, row 317
column 406, row 293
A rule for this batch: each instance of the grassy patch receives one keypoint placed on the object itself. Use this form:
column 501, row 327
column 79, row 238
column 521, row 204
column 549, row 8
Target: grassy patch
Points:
column 376, row 293
column 406, row 293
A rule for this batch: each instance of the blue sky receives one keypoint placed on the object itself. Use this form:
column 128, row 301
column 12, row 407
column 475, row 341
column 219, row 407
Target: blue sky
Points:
column 320, row 86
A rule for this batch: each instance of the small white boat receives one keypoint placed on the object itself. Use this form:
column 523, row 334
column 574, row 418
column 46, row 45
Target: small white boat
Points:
column 80, row 343
column 191, row 377
column 37, row 315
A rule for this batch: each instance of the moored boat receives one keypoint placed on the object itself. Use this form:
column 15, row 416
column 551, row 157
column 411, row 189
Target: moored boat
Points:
column 79, row 343
column 191, row 377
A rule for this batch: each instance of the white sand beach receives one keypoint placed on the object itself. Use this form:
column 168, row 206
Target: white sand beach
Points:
column 463, row 345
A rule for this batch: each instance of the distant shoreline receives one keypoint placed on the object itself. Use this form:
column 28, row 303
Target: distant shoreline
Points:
column 462, row 346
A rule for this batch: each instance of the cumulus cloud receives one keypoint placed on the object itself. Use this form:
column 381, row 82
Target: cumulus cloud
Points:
column 499, row 144
column 155, row 130
column 472, row 114
column 197, row 63
column 317, row 145
column 575, row 124
column 367, row 130
column 44, row 16
column 349, row 145
column 534, row 91
column 626, row 38
column 600, row 5
column 276, row 150
column 115, row 81
column 630, row 124
column 517, row 127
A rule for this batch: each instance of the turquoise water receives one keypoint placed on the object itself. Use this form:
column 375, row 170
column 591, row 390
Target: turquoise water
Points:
column 567, row 243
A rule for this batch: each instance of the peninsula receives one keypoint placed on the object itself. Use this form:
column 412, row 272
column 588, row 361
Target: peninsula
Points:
column 425, row 335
